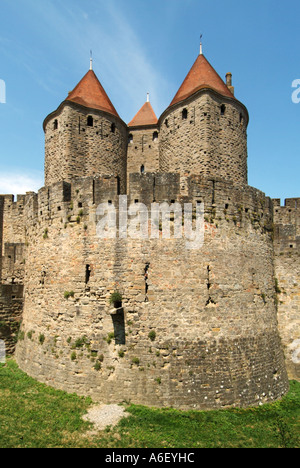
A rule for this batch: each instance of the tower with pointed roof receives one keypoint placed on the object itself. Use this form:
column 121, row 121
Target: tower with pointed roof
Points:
column 85, row 137
column 204, row 129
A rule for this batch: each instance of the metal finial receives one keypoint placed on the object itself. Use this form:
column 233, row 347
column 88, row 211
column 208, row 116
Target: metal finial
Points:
column 201, row 44
column 148, row 97
column 91, row 60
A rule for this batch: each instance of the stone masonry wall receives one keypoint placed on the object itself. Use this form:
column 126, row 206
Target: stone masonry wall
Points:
column 200, row 137
column 197, row 328
column 142, row 153
column 78, row 147
column 12, row 235
column 287, row 268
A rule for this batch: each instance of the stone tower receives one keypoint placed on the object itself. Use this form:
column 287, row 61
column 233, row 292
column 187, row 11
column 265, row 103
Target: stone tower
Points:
column 203, row 131
column 196, row 328
column 85, row 136
column 143, row 154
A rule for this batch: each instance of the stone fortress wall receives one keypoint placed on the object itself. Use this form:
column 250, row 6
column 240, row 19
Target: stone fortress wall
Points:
column 287, row 267
column 206, row 333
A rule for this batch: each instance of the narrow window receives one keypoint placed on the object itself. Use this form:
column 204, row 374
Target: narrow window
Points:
column 184, row 114
column 130, row 138
column 146, row 277
column 142, row 169
column 87, row 274
column 167, row 123
column 55, row 124
column 223, row 108
column 90, row 121
column 241, row 118
column 113, row 128
column 155, row 136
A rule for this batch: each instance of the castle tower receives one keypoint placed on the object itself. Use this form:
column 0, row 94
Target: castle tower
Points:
column 142, row 155
column 197, row 327
column 203, row 131
column 85, row 137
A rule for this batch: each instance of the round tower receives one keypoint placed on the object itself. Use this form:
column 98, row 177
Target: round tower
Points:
column 85, row 137
column 204, row 129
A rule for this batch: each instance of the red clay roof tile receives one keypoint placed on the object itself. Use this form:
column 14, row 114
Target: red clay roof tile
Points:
column 90, row 93
column 145, row 116
column 201, row 75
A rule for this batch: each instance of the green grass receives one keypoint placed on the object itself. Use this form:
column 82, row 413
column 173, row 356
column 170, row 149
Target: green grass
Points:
column 33, row 415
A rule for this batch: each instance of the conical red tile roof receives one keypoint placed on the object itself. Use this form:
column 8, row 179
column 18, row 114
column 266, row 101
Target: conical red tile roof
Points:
column 201, row 75
column 90, row 93
column 145, row 116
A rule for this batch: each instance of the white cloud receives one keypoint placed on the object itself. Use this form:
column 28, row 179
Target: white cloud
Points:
column 18, row 184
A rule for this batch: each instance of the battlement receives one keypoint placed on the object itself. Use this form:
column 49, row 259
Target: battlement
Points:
column 77, row 201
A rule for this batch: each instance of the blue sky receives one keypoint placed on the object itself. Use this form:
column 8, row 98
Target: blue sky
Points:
column 142, row 46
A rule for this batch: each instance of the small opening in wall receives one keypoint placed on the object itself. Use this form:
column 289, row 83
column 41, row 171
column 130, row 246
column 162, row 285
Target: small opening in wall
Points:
column 79, row 205
column 223, row 109
column 241, row 118
column 155, row 136
column 146, row 277
column 167, row 123
column 113, row 128
column 226, row 206
column 109, row 202
column 87, row 273
column 130, row 138
column 246, row 210
column 184, row 114
column 59, row 208
column 55, row 124
column 142, row 169
column 136, row 201
column 90, row 121
column 291, row 246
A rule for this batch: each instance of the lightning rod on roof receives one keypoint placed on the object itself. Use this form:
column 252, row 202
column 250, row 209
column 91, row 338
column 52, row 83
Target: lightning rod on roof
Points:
column 91, row 60
column 201, row 44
